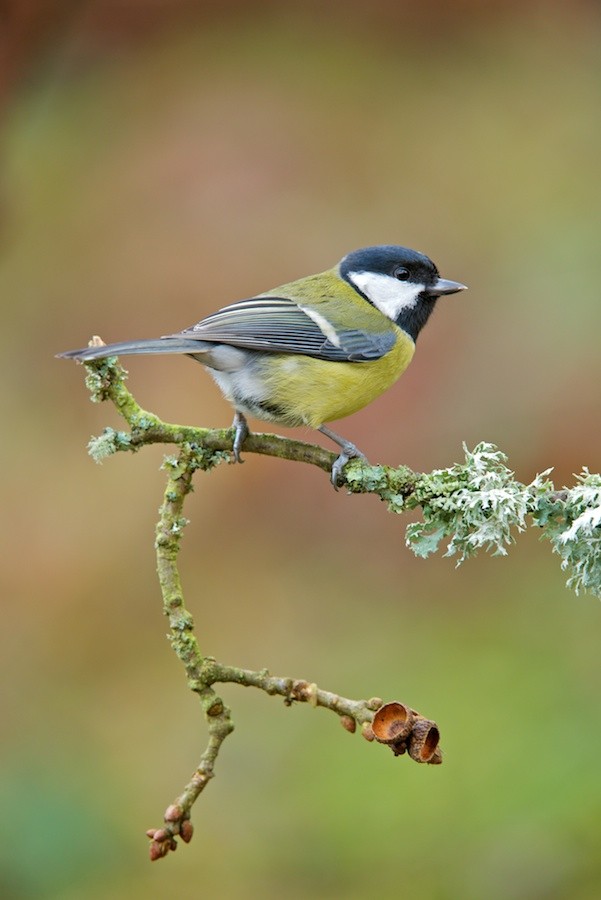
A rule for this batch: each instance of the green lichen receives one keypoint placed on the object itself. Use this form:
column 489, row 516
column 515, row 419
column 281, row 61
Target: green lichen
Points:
column 99, row 376
column 393, row 486
column 194, row 457
column 107, row 443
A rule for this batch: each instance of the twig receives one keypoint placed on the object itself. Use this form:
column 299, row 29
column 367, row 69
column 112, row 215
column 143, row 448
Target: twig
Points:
column 202, row 448
column 204, row 672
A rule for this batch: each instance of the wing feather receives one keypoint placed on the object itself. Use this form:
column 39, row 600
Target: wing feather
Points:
column 279, row 325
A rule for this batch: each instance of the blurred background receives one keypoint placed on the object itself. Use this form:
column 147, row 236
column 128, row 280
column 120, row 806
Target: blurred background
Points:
column 160, row 159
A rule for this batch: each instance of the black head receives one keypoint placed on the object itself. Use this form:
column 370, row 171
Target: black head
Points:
column 402, row 283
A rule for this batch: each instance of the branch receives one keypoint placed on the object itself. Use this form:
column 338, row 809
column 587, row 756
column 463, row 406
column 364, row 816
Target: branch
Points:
column 475, row 504
column 408, row 731
column 106, row 381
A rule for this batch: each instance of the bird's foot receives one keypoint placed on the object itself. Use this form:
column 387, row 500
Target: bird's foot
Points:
column 349, row 451
column 347, row 454
column 241, row 432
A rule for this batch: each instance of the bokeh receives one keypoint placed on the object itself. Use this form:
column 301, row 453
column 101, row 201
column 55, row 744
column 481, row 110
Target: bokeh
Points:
column 158, row 161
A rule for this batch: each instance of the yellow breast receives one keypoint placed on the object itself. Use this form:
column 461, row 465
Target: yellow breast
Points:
column 309, row 391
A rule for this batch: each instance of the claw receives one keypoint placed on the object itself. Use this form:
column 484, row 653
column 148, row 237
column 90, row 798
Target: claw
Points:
column 349, row 451
column 241, row 432
column 341, row 461
column 337, row 468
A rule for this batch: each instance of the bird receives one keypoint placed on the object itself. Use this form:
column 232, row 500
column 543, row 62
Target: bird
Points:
column 314, row 350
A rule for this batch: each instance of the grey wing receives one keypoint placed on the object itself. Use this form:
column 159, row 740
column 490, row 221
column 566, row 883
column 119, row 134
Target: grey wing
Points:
column 279, row 325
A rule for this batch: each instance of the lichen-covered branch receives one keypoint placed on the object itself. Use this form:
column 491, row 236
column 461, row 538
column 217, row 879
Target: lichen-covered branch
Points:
column 106, row 381
column 477, row 504
column 473, row 505
column 203, row 673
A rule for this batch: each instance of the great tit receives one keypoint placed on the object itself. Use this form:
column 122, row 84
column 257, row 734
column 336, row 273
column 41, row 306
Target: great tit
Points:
column 314, row 350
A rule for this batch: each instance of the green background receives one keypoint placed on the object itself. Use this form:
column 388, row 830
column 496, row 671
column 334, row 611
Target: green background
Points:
column 156, row 166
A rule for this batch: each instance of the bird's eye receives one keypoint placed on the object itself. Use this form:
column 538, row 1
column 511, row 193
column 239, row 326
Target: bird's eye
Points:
column 401, row 273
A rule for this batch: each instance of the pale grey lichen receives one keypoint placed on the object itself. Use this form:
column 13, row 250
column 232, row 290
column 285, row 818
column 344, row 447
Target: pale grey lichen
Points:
column 98, row 377
column 479, row 504
column 475, row 504
column 107, row 443
column 572, row 524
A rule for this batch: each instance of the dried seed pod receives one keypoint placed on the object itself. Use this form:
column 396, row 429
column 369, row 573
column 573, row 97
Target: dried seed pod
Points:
column 399, row 747
column 436, row 758
column 392, row 723
column 424, row 740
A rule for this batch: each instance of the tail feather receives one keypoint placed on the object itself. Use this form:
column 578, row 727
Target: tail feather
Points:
column 130, row 348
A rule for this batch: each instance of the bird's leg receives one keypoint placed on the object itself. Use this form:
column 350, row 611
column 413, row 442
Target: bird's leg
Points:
column 241, row 432
column 349, row 451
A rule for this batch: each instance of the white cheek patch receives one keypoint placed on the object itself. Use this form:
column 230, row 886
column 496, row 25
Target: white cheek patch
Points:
column 388, row 294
